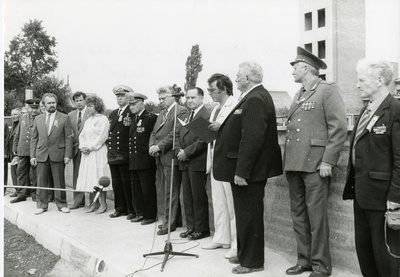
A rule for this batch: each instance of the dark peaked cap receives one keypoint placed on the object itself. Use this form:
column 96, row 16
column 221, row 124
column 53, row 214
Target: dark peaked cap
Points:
column 34, row 102
column 307, row 57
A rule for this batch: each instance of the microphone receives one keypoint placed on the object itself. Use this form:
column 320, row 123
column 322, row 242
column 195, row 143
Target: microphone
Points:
column 103, row 183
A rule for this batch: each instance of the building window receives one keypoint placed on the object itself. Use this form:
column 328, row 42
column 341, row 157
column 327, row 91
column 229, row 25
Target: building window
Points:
column 308, row 21
column 321, row 49
column 308, row 47
column 321, row 18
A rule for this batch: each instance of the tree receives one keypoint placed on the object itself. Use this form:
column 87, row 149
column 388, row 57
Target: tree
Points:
column 30, row 57
column 193, row 67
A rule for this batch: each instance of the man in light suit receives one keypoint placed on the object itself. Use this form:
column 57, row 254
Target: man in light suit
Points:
column 246, row 154
column 51, row 149
column 191, row 152
column 221, row 91
column 373, row 173
column 78, row 118
column 316, row 132
column 160, row 147
column 27, row 175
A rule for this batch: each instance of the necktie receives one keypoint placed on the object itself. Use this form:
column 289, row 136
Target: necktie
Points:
column 119, row 112
column 136, row 119
column 361, row 125
column 79, row 120
column 191, row 116
column 48, row 124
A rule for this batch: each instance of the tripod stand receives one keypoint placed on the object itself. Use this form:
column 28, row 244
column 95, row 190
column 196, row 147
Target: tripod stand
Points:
column 168, row 246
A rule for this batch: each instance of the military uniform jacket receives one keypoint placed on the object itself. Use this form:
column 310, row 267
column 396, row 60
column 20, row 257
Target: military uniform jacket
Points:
column 247, row 141
column 316, row 129
column 195, row 149
column 118, row 139
column 73, row 116
column 139, row 135
column 162, row 134
column 22, row 139
column 376, row 175
column 57, row 145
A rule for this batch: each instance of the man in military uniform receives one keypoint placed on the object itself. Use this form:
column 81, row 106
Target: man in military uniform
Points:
column 26, row 173
column 118, row 154
column 316, row 132
column 141, row 164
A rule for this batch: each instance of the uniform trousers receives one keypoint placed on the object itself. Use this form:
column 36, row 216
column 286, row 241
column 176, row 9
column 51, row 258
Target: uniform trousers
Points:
column 373, row 256
column 195, row 200
column 79, row 197
column 144, row 192
column 224, row 212
column 56, row 170
column 27, row 176
column 309, row 210
column 249, row 211
column 121, row 183
column 163, row 188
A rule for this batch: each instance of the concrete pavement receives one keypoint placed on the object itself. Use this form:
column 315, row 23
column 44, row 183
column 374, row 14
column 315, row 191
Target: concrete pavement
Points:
column 101, row 246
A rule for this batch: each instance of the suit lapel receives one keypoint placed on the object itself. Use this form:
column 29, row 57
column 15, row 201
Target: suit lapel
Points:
column 55, row 123
column 114, row 120
column 83, row 120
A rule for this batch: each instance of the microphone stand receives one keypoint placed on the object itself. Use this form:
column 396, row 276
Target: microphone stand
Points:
column 168, row 245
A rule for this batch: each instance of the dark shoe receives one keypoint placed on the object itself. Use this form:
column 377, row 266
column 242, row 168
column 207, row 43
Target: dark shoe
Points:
column 187, row 233
column 74, row 207
column 198, row 235
column 244, row 270
column 18, row 199
column 117, row 214
column 148, row 221
column 138, row 218
column 296, row 270
column 34, row 198
column 319, row 274
column 130, row 216
column 234, row 260
column 159, row 226
column 15, row 194
column 164, row 231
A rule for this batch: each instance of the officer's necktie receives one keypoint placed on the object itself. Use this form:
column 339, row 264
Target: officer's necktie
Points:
column 48, row 123
column 191, row 116
column 136, row 119
column 79, row 120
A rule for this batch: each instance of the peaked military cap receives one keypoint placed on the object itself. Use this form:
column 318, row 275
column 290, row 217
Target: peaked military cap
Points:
column 307, row 57
column 133, row 97
column 121, row 90
column 34, row 102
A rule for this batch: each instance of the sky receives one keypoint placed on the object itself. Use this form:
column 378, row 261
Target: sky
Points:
column 145, row 44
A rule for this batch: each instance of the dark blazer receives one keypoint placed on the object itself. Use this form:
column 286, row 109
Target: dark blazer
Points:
column 162, row 134
column 139, row 135
column 73, row 116
column 57, row 145
column 7, row 144
column 376, row 176
column 195, row 149
column 247, row 141
column 22, row 139
column 118, row 139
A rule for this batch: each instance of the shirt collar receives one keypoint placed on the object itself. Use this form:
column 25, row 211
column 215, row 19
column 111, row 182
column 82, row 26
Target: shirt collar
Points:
column 198, row 109
column 374, row 105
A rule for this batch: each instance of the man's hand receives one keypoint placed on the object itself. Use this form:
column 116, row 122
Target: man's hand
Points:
column 33, row 162
column 85, row 150
column 240, row 181
column 214, row 126
column 182, row 156
column 66, row 160
column 392, row 205
column 153, row 150
column 325, row 170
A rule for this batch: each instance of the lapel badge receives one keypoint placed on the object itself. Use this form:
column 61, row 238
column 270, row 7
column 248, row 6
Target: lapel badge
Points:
column 380, row 130
column 139, row 123
column 120, row 118
column 238, row 111
column 372, row 123
column 56, row 123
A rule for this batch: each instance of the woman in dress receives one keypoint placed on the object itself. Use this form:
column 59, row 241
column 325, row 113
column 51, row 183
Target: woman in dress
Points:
column 92, row 143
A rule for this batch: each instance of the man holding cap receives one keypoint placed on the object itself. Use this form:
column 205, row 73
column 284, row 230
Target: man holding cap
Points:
column 118, row 154
column 316, row 132
column 141, row 165
column 26, row 173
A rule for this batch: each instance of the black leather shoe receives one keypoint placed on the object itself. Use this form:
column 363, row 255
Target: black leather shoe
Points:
column 15, row 194
column 198, row 235
column 319, row 274
column 296, row 270
column 148, row 221
column 117, row 214
column 187, row 233
column 74, row 207
column 138, row 218
column 159, row 226
column 164, row 231
column 130, row 216
column 17, row 199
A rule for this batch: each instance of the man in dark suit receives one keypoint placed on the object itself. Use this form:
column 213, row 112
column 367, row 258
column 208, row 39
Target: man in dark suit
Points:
column 118, row 154
column 160, row 143
column 141, row 164
column 373, row 173
column 192, row 155
column 27, row 175
column 12, row 158
column 246, row 154
column 51, row 149
column 78, row 118
column 316, row 132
